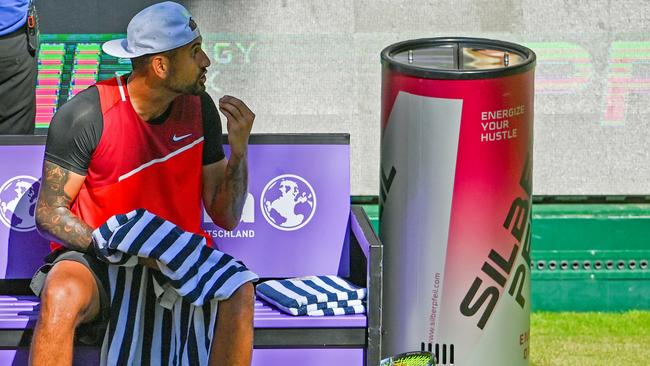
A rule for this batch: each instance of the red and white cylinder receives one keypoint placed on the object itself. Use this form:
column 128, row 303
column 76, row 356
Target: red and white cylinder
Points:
column 455, row 200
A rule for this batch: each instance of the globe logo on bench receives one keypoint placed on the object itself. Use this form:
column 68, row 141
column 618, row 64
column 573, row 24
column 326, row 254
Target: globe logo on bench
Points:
column 18, row 202
column 288, row 202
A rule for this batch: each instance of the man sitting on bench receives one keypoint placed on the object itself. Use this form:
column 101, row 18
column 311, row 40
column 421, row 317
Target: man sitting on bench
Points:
column 151, row 140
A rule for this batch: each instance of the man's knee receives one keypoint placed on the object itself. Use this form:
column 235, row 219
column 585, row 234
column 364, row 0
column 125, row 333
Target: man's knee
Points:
column 70, row 295
column 242, row 299
column 245, row 293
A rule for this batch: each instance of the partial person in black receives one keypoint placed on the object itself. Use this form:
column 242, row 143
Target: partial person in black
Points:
column 17, row 69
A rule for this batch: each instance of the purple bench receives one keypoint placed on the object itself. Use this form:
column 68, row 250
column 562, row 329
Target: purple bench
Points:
column 338, row 239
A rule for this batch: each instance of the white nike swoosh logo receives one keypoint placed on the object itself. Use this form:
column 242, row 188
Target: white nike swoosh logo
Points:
column 178, row 138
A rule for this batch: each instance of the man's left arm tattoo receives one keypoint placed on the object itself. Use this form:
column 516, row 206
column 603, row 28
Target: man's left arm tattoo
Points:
column 230, row 197
column 237, row 179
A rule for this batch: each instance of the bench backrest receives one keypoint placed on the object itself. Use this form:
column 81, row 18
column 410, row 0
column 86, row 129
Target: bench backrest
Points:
column 295, row 221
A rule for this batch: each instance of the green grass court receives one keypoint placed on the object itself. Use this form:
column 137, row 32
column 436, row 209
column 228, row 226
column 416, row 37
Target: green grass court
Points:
column 590, row 339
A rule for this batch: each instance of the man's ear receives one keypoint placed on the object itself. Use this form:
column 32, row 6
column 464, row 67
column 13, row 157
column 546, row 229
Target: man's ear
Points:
column 160, row 65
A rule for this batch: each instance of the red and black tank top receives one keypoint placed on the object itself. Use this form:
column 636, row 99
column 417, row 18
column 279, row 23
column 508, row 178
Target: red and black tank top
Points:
column 136, row 164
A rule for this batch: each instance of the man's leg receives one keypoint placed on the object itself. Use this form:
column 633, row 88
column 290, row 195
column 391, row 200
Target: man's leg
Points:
column 70, row 297
column 232, row 344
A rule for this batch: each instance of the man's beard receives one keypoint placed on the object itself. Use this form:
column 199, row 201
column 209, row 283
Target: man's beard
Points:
column 195, row 88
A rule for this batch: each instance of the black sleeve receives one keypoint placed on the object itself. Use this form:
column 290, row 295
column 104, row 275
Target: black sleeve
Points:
column 75, row 131
column 212, row 148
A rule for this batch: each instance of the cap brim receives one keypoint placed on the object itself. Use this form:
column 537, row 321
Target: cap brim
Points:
column 117, row 48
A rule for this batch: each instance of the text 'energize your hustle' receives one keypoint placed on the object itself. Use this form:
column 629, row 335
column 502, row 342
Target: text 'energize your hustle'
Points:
column 497, row 126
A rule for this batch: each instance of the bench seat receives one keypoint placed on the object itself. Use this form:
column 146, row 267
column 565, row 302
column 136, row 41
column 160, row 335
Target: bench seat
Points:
column 19, row 313
column 337, row 239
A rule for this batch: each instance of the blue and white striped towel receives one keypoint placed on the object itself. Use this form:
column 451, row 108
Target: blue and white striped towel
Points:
column 193, row 270
column 314, row 296
column 166, row 317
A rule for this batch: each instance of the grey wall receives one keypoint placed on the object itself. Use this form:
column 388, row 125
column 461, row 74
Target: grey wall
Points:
column 313, row 66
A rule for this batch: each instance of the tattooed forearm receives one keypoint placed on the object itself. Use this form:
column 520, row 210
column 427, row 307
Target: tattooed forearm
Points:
column 237, row 182
column 54, row 219
column 231, row 195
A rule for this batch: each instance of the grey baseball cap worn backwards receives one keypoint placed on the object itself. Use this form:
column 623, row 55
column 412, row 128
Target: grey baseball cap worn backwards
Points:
column 158, row 28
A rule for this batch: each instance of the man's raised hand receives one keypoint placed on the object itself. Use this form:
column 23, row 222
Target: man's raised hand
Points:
column 240, row 122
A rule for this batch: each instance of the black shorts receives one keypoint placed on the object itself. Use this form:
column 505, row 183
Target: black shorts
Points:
column 93, row 332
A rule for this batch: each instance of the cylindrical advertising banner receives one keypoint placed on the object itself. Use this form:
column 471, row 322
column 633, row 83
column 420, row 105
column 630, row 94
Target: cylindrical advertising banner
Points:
column 455, row 200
